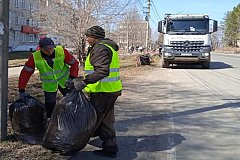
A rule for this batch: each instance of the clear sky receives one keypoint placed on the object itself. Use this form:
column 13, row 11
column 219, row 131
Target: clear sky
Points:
column 215, row 8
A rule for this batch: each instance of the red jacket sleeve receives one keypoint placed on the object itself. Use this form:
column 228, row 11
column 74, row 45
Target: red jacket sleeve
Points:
column 73, row 62
column 26, row 73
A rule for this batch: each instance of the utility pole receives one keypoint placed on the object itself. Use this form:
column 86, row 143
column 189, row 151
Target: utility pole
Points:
column 147, row 19
column 4, row 32
column 127, row 32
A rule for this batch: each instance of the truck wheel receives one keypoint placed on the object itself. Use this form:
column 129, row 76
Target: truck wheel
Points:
column 165, row 64
column 206, row 65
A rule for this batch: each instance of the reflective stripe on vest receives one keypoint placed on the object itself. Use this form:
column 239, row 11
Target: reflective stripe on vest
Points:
column 111, row 83
column 52, row 77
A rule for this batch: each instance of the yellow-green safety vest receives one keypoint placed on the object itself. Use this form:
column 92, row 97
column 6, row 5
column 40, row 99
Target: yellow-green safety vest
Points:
column 52, row 77
column 111, row 83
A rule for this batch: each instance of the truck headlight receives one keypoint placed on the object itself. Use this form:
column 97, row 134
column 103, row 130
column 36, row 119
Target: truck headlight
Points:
column 166, row 49
column 167, row 54
column 205, row 54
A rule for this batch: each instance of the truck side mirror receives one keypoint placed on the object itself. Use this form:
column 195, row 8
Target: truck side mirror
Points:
column 215, row 26
column 160, row 26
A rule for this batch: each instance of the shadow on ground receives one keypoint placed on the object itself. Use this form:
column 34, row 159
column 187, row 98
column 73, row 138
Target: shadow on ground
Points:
column 121, row 127
column 213, row 65
column 129, row 146
column 219, row 65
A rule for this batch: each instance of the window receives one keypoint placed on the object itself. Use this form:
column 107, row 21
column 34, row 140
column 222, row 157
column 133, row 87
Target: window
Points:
column 35, row 24
column 30, row 6
column 36, row 38
column 16, row 3
column 30, row 22
column 23, row 4
column 27, row 22
column 17, row 20
column 31, row 38
column 23, row 37
column 23, row 20
column 15, row 35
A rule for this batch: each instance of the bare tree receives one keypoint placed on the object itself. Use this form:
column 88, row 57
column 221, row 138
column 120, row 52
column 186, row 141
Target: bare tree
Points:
column 131, row 29
column 68, row 19
column 215, row 41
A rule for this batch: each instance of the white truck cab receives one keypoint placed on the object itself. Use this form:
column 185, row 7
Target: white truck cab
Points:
column 186, row 39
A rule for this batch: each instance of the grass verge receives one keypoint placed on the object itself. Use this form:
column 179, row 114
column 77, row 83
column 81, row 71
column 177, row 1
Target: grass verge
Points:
column 11, row 149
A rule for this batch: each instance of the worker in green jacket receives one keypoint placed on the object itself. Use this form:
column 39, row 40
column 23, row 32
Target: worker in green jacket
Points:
column 55, row 65
column 103, row 84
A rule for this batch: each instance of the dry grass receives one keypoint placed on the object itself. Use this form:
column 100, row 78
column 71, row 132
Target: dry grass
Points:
column 16, row 62
column 128, row 69
column 12, row 149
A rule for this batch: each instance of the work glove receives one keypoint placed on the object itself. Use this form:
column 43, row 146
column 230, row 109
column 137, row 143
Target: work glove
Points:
column 69, row 84
column 79, row 83
column 23, row 95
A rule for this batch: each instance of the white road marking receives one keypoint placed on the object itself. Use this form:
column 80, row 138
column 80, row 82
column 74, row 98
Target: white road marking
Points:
column 171, row 152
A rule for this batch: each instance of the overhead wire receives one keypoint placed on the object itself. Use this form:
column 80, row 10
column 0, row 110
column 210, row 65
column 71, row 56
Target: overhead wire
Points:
column 155, row 11
column 117, row 14
column 139, row 3
column 128, row 3
column 140, row 6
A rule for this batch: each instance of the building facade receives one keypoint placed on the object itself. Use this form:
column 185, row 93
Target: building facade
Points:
column 132, row 34
column 24, row 31
column 27, row 23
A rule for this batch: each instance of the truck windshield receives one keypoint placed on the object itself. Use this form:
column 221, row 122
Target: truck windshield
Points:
column 197, row 26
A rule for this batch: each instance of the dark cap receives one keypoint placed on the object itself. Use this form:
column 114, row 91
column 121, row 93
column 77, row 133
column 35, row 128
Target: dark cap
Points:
column 46, row 43
column 95, row 31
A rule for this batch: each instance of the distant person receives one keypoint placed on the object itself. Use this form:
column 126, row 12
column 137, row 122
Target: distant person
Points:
column 129, row 49
column 132, row 49
column 160, row 51
column 141, row 49
column 53, row 64
column 137, row 47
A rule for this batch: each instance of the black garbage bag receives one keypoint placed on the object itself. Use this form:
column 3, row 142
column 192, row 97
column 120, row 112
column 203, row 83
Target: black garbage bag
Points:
column 72, row 122
column 28, row 120
column 144, row 59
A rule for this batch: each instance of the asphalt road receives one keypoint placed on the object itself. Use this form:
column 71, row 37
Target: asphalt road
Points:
column 181, row 113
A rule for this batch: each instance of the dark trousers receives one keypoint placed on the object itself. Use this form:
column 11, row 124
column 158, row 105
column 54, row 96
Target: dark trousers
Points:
column 50, row 99
column 104, row 106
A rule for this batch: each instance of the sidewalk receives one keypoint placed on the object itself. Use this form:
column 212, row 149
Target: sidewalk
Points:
column 14, row 71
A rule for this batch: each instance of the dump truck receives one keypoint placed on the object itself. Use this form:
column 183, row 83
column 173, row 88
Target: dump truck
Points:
column 186, row 39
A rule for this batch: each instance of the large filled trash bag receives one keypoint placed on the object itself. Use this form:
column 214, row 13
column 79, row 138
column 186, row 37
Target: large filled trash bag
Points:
column 144, row 59
column 28, row 120
column 72, row 122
